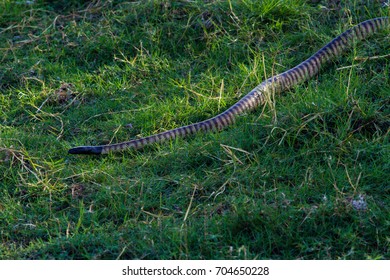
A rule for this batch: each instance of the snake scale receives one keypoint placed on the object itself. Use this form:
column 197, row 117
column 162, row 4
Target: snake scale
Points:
column 255, row 97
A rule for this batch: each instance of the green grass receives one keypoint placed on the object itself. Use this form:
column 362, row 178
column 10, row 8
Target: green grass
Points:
column 279, row 184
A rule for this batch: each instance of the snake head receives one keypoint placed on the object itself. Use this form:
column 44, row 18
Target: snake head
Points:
column 87, row 150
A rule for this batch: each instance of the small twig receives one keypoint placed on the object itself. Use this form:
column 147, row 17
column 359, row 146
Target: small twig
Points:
column 220, row 94
column 115, row 132
column 347, row 67
column 371, row 57
column 195, row 92
column 114, row 113
column 363, row 59
column 189, row 205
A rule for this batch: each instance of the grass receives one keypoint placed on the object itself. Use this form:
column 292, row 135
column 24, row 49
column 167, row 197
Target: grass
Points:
column 284, row 182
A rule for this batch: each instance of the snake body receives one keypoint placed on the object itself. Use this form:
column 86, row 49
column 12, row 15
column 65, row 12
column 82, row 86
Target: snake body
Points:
column 257, row 96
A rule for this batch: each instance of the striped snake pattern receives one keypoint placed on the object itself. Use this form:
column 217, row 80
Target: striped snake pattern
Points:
column 255, row 97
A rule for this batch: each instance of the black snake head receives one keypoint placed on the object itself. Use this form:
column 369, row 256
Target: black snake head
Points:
column 87, row 150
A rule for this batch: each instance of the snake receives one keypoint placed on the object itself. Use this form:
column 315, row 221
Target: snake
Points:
column 257, row 96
